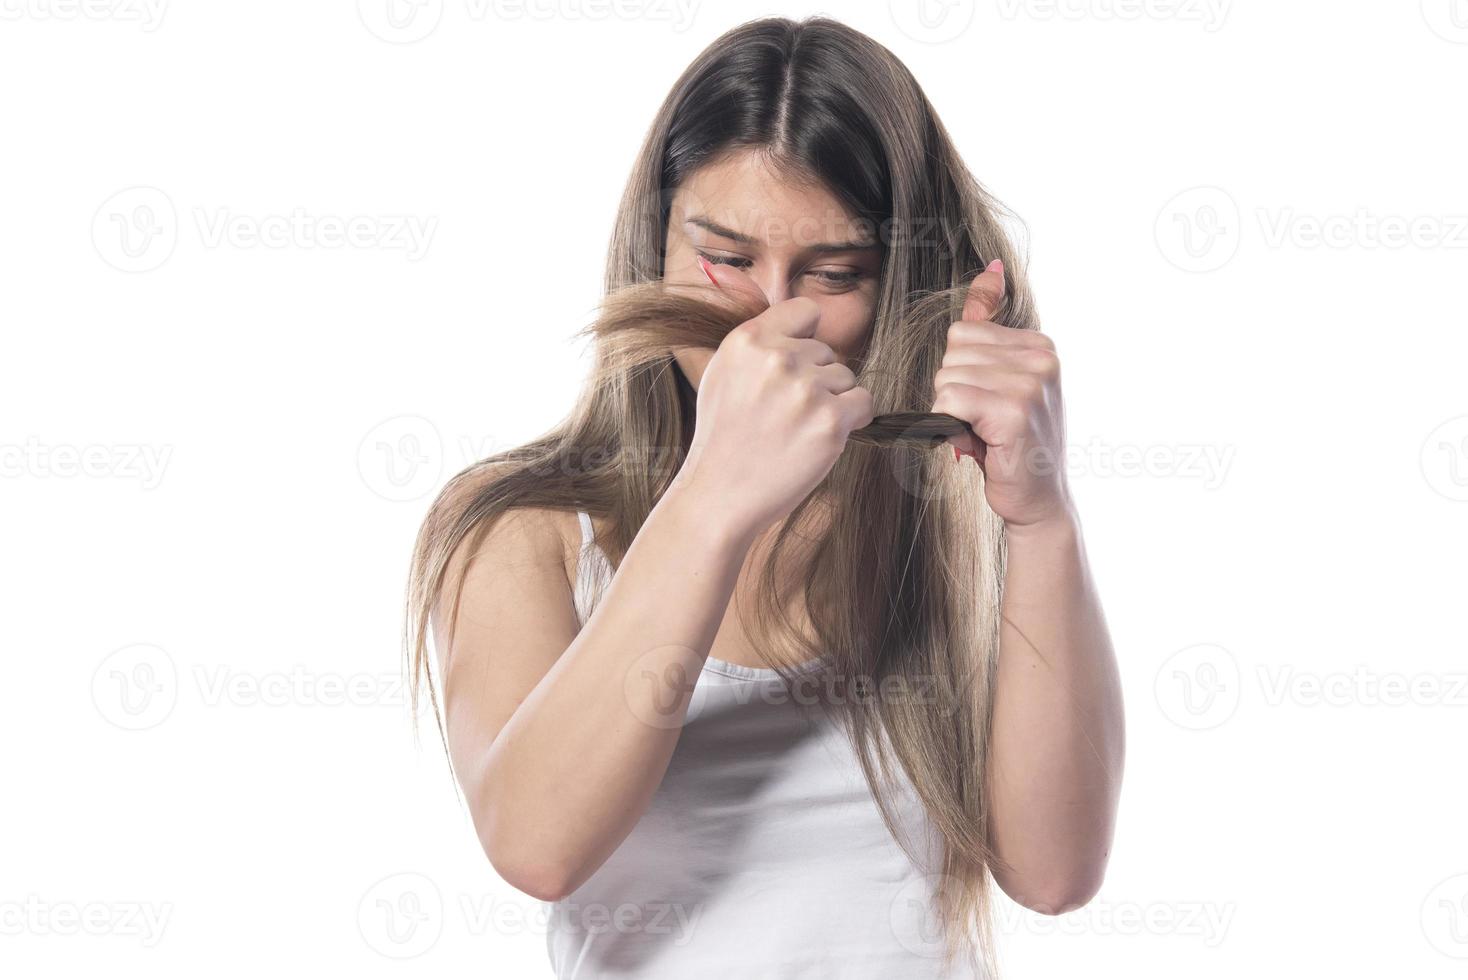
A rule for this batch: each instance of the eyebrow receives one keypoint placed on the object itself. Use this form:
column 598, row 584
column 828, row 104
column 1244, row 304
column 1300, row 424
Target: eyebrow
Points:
column 715, row 228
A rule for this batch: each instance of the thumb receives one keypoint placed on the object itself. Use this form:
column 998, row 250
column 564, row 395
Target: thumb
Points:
column 985, row 293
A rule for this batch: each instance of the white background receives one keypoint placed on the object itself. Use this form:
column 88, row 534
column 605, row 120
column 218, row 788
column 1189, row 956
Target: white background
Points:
column 216, row 451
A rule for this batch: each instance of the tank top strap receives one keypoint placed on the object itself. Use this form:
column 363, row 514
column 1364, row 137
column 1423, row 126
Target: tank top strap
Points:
column 593, row 573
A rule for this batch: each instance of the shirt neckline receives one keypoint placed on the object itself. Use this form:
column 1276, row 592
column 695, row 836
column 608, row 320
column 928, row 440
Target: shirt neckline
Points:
column 741, row 672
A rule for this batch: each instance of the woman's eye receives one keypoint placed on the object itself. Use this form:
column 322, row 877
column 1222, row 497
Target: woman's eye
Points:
column 836, row 279
column 833, row 278
column 733, row 260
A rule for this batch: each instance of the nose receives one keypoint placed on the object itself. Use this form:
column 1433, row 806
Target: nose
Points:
column 775, row 284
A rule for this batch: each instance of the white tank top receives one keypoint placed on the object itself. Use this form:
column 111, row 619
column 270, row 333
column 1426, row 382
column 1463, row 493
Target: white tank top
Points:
column 762, row 854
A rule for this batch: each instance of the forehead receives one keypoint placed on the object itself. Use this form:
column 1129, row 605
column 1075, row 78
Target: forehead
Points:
column 740, row 191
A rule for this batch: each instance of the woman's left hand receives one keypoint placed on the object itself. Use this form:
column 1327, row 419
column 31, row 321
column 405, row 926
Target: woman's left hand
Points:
column 1005, row 383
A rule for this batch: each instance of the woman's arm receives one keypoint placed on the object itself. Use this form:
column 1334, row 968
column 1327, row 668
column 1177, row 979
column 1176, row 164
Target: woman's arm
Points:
column 1054, row 768
column 1057, row 740
column 587, row 733
column 560, row 738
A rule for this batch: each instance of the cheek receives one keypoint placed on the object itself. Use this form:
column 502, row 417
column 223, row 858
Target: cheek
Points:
column 681, row 265
column 844, row 324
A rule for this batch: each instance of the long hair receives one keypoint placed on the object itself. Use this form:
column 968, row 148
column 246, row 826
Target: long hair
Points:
column 903, row 589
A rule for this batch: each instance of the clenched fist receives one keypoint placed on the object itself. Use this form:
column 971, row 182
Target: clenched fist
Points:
column 1005, row 383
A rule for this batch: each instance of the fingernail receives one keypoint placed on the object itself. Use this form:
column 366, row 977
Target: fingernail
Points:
column 956, row 454
column 703, row 264
column 996, row 264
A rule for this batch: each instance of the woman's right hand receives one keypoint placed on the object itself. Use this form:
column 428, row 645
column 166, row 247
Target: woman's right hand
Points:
column 775, row 407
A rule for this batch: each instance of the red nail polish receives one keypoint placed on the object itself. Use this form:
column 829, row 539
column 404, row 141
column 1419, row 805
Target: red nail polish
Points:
column 956, row 454
column 703, row 264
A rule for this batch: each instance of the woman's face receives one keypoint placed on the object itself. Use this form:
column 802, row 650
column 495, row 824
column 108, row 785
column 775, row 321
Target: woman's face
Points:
column 786, row 239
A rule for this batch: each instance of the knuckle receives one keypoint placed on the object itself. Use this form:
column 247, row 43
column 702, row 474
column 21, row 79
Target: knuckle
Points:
column 743, row 336
column 1043, row 361
column 804, row 306
column 828, row 421
column 799, row 310
column 779, row 360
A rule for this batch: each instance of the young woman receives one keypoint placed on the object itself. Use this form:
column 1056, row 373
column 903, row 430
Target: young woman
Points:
column 741, row 697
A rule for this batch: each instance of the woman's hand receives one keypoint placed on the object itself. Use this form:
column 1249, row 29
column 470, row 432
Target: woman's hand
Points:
column 1005, row 384
column 775, row 407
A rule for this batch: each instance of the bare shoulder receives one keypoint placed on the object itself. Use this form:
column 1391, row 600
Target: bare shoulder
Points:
column 504, row 614
column 520, row 539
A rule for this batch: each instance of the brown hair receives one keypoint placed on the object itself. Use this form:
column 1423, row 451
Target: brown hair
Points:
column 905, row 584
